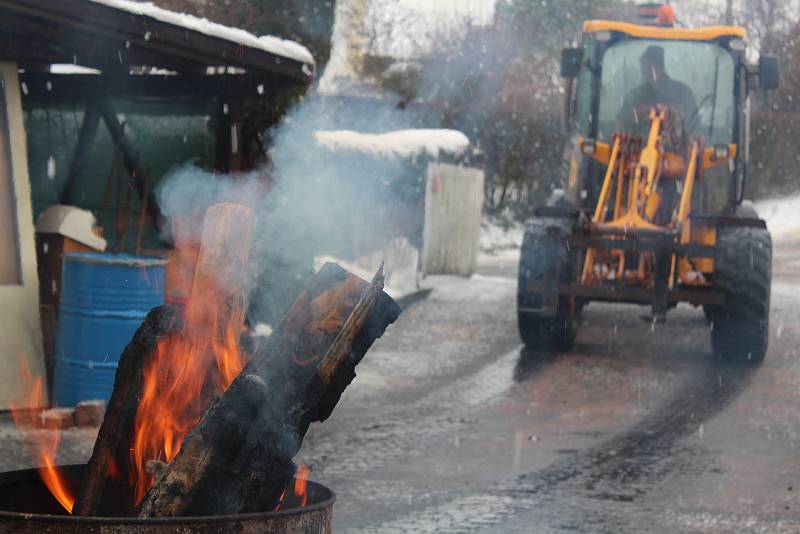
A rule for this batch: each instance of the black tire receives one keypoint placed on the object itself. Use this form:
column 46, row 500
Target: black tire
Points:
column 745, row 210
column 545, row 252
column 743, row 271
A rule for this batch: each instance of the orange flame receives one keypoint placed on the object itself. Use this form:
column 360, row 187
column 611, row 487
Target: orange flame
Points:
column 280, row 501
column 44, row 443
column 301, row 484
column 187, row 371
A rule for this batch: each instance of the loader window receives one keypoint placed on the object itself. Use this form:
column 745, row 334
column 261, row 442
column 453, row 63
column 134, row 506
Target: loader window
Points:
column 695, row 79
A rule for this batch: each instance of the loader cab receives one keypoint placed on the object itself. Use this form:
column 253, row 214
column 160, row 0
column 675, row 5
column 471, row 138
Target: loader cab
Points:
column 704, row 73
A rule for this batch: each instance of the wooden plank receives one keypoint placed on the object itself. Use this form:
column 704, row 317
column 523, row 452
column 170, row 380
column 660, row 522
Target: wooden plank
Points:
column 219, row 288
column 20, row 330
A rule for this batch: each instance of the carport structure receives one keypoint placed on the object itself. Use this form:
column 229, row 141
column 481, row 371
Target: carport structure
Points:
column 101, row 99
column 141, row 53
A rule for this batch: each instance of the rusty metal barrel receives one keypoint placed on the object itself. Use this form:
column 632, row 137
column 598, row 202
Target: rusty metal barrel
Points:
column 26, row 506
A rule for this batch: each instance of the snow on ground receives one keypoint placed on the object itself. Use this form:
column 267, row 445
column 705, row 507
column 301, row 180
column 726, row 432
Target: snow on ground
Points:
column 500, row 240
column 399, row 259
column 782, row 214
column 268, row 43
column 399, row 143
column 498, row 235
column 501, row 237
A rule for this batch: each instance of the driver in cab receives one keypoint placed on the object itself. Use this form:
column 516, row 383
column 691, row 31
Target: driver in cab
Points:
column 657, row 88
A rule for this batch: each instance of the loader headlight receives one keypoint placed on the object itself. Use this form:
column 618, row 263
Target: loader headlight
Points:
column 722, row 151
column 589, row 148
column 737, row 45
column 603, row 36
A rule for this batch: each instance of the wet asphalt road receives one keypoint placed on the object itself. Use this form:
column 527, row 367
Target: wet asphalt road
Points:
column 451, row 427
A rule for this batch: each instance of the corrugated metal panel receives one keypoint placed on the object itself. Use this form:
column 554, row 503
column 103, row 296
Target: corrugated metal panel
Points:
column 453, row 204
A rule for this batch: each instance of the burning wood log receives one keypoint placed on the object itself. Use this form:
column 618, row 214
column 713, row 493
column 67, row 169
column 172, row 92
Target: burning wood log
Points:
column 114, row 437
column 239, row 457
column 215, row 311
column 217, row 301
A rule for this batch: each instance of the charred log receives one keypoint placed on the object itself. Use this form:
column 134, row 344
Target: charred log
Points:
column 216, row 309
column 239, row 457
column 106, row 478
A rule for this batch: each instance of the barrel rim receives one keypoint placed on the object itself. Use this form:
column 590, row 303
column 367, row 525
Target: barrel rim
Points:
column 104, row 258
column 22, row 475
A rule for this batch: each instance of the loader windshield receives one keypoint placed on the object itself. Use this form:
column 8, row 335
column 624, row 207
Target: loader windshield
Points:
column 694, row 79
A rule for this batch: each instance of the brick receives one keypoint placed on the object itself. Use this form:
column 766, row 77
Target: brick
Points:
column 57, row 418
column 90, row 413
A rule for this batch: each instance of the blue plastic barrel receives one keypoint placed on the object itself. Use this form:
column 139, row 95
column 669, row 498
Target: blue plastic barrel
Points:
column 104, row 299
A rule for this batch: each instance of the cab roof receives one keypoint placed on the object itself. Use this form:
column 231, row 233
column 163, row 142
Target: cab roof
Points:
column 708, row 33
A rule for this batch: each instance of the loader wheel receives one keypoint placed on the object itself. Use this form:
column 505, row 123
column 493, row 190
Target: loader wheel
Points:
column 546, row 255
column 743, row 271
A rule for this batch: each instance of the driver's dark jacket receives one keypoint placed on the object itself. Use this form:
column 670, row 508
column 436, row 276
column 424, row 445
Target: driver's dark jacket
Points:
column 675, row 95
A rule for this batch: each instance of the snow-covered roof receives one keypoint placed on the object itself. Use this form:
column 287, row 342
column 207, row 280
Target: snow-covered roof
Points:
column 267, row 43
column 69, row 68
column 399, row 143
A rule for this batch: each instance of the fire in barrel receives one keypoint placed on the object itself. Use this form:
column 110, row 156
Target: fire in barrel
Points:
column 199, row 433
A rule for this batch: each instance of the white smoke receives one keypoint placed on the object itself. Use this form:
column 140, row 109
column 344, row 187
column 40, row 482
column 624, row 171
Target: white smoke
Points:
column 312, row 201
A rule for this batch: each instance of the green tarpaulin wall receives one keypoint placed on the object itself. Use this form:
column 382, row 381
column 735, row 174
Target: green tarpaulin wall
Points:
column 165, row 134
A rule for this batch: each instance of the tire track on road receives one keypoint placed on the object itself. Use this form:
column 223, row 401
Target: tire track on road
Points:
column 405, row 431
column 584, row 490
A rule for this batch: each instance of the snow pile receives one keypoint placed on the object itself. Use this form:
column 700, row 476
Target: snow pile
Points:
column 399, row 143
column 499, row 235
column 267, row 43
column 69, row 68
column 400, row 260
column 782, row 214
column 71, row 222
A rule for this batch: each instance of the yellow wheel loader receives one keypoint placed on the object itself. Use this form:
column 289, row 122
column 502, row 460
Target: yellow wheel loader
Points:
column 652, row 211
